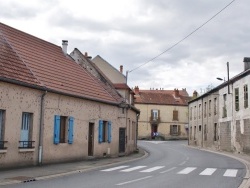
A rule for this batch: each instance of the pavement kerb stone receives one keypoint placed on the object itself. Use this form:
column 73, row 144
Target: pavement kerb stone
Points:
column 113, row 162
column 246, row 180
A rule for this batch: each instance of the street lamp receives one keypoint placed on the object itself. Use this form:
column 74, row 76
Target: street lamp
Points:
column 220, row 79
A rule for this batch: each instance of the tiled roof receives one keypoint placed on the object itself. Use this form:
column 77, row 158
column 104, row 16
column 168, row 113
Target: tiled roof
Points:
column 31, row 60
column 162, row 97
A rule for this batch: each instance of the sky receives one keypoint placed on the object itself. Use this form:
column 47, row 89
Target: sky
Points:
column 132, row 32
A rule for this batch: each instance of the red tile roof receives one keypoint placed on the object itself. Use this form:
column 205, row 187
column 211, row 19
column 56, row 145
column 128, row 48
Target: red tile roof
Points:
column 162, row 97
column 33, row 61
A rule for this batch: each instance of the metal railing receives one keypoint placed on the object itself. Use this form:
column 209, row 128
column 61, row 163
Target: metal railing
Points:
column 26, row 144
column 2, row 145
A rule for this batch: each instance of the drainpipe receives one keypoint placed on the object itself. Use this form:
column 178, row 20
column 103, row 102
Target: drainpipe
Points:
column 41, row 129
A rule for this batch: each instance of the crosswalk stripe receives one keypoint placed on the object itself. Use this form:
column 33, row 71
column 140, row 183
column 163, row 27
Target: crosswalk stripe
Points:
column 133, row 168
column 153, row 169
column 230, row 173
column 187, row 170
column 115, row 168
column 208, row 171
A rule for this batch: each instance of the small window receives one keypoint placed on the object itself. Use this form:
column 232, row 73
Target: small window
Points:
column 215, row 106
column 245, row 96
column 195, row 112
column 26, row 131
column 175, row 115
column 215, row 132
column 63, row 129
column 175, row 130
column 205, row 109
column 199, row 111
column 104, row 131
column 199, row 127
column 224, row 109
column 236, row 91
column 2, row 126
column 209, row 108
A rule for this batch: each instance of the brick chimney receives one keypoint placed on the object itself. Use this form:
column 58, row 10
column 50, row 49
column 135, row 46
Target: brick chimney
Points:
column 121, row 69
column 87, row 56
column 246, row 61
column 137, row 90
column 195, row 94
column 176, row 93
column 64, row 46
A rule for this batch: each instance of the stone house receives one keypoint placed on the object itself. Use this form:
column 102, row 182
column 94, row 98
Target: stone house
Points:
column 114, row 81
column 164, row 113
column 220, row 118
column 51, row 109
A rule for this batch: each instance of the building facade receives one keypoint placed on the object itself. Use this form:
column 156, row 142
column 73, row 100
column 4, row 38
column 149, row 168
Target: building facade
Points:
column 220, row 118
column 51, row 109
column 164, row 113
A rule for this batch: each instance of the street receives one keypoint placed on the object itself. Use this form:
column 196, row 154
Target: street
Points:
column 170, row 164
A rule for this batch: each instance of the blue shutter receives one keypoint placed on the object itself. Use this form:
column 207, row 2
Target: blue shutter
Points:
column 70, row 130
column 100, row 131
column 57, row 129
column 109, row 132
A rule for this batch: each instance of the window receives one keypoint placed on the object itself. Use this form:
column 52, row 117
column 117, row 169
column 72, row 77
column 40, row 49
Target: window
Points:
column 199, row 111
column 215, row 132
column 194, row 112
column 194, row 132
column 224, row 109
column 205, row 132
column 190, row 132
column 236, row 93
column 2, row 120
column 175, row 130
column 205, row 109
column 26, row 131
column 199, row 127
column 209, row 108
column 245, row 96
column 104, row 131
column 215, row 106
column 175, row 115
column 190, row 113
column 63, row 129
column 155, row 114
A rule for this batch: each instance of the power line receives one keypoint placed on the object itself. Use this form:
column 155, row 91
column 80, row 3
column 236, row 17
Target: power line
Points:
column 171, row 47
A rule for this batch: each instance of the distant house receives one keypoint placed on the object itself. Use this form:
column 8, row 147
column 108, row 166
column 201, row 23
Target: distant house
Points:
column 220, row 118
column 52, row 110
column 164, row 113
column 121, row 91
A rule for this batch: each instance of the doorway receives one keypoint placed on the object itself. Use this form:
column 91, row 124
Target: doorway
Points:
column 91, row 139
column 122, row 140
column 154, row 131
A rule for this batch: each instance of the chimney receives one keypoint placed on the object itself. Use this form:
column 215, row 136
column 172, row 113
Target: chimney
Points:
column 246, row 61
column 87, row 56
column 195, row 94
column 137, row 90
column 121, row 69
column 64, row 46
column 176, row 93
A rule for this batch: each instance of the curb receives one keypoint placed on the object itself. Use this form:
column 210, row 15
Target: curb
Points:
column 56, row 175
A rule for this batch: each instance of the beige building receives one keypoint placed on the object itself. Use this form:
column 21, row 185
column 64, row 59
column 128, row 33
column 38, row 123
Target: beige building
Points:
column 52, row 110
column 164, row 113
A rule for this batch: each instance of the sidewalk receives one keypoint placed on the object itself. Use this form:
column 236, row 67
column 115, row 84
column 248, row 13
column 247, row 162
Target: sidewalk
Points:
column 35, row 173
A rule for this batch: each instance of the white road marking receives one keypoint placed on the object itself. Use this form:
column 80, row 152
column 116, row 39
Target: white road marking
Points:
column 230, row 173
column 187, row 170
column 133, row 168
column 134, row 180
column 115, row 168
column 208, row 171
column 153, row 169
column 168, row 170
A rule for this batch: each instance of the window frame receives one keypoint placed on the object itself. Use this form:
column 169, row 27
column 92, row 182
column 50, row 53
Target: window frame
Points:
column 236, row 99
column 245, row 87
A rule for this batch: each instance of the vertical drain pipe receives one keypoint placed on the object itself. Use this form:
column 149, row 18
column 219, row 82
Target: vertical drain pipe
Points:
column 41, row 129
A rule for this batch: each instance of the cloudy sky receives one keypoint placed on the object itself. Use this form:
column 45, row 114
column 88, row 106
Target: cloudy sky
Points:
column 132, row 32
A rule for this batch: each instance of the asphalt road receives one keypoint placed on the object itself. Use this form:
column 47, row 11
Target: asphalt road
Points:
column 170, row 164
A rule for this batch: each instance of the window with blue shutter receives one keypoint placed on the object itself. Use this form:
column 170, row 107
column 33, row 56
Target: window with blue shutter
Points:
column 100, row 136
column 109, row 132
column 57, row 129
column 70, row 130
